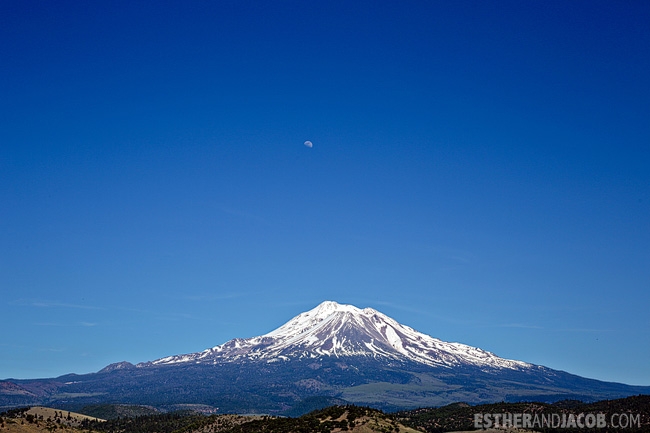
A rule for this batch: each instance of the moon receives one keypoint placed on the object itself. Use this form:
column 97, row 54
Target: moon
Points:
column 309, row 143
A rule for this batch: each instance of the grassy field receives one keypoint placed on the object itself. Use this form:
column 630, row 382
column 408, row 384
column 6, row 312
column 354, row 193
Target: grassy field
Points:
column 19, row 426
column 60, row 416
column 42, row 420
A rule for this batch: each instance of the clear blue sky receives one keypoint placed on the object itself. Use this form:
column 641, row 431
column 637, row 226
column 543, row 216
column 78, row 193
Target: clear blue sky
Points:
column 480, row 172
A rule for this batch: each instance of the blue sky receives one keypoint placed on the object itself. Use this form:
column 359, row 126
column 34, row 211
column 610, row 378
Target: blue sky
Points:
column 479, row 173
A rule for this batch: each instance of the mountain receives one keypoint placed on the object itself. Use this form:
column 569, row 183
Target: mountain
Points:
column 358, row 355
column 117, row 366
column 342, row 331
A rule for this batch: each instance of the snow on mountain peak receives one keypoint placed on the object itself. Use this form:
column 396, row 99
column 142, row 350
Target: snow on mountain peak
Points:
column 308, row 319
column 339, row 330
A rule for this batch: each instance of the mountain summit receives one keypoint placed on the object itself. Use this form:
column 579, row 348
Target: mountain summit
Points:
column 337, row 330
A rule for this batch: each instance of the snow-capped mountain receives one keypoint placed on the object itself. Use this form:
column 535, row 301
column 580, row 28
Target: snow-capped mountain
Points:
column 332, row 351
column 336, row 330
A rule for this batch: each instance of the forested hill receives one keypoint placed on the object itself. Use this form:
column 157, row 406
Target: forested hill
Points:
column 356, row 419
